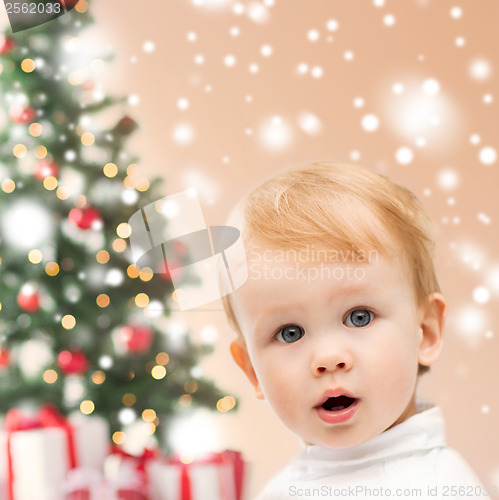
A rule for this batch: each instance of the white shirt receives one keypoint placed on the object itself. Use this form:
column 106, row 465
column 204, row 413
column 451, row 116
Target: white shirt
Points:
column 410, row 460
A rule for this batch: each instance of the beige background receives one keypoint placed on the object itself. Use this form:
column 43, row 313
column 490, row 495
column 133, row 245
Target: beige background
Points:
column 246, row 125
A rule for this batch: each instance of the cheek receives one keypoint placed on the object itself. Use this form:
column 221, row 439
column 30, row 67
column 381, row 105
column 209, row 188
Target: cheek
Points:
column 279, row 385
column 396, row 362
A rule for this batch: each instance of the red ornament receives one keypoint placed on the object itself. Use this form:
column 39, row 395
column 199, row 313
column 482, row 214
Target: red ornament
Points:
column 171, row 270
column 4, row 357
column 72, row 362
column 68, row 4
column 88, row 85
column 126, row 125
column 137, row 339
column 46, row 168
column 85, row 218
column 21, row 114
column 6, row 45
column 28, row 298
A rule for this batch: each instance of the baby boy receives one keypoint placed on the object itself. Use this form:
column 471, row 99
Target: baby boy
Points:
column 340, row 315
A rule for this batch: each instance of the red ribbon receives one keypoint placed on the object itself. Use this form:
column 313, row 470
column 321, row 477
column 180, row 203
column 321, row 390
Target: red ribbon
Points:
column 47, row 416
column 227, row 457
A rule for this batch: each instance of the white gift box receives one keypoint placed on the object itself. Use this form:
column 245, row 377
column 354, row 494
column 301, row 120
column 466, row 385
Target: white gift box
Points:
column 40, row 457
column 215, row 481
column 91, row 440
column 40, row 463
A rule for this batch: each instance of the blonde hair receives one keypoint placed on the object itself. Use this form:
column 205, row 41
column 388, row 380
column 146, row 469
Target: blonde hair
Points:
column 343, row 207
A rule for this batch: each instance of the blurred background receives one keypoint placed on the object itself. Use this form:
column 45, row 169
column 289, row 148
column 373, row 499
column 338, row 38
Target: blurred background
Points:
column 227, row 92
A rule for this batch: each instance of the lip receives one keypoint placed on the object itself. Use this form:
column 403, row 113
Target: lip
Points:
column 336, row 417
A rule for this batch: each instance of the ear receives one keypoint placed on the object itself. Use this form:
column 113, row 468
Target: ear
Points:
column 241, row 357
column 432, row 325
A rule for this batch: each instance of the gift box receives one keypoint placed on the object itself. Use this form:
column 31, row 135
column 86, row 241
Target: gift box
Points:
column 89, row 484
column 37, row 451
column 219, row 476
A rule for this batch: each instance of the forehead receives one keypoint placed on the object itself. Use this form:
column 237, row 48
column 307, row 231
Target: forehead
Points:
column 280, row 280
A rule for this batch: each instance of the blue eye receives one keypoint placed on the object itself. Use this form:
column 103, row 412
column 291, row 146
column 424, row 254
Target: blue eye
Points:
column 359, row 318
column 289, row 334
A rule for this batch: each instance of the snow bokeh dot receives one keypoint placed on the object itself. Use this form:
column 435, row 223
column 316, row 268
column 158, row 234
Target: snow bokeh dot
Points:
column 488, row 155
column 309, row 123
column 276, row 134
column 389, row 20
column 480, row 69
column 481, row 295
column 183, row 133
column 370, row 123
column 313, row 35
column 332, row 25
column 398, row 88
column 448, row 178
column 149, row 46
column 431, row 87
column 404, row 155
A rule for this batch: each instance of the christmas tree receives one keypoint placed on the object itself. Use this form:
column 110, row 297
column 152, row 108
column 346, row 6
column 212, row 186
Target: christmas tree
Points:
column 81, row 326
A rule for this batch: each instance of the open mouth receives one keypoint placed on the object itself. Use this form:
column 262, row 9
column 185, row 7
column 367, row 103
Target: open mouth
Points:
column 338, row 403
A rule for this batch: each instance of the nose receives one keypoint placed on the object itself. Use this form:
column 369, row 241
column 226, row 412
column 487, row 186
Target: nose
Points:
column 331, row 358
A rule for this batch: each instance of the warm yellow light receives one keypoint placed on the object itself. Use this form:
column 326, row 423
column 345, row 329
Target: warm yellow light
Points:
column 149, row 415
column 186, row 459
column 119, row 245
column 141, row 300
column 62, row 193
column 87, row 407
column 68, row 322
column 110, row 170
column 177, row 295
column 225, row 404
column 102, row 256
column 50, row 183
column 124, row 230
column 8, row 185
column 35, row 129
column 76, row 77
column 133, row 169
column 28, row 65
column 118, row 436
column 185, row 400
column 162, row 358
column 98, row 377
column 40, row 152
column 35, row 256
column 19, row 150
column 52, row 268
column 87, row 139
column 146, row 274
column 133, row 271
column 128, row 399
column 129, row 183
column 191, row 386
column 49, row 376
column 158, row 372
column 103, row 300
column 81, row 6
column 143, row 184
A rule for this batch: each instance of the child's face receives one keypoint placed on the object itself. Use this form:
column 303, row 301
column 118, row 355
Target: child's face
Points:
column 356, row 332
